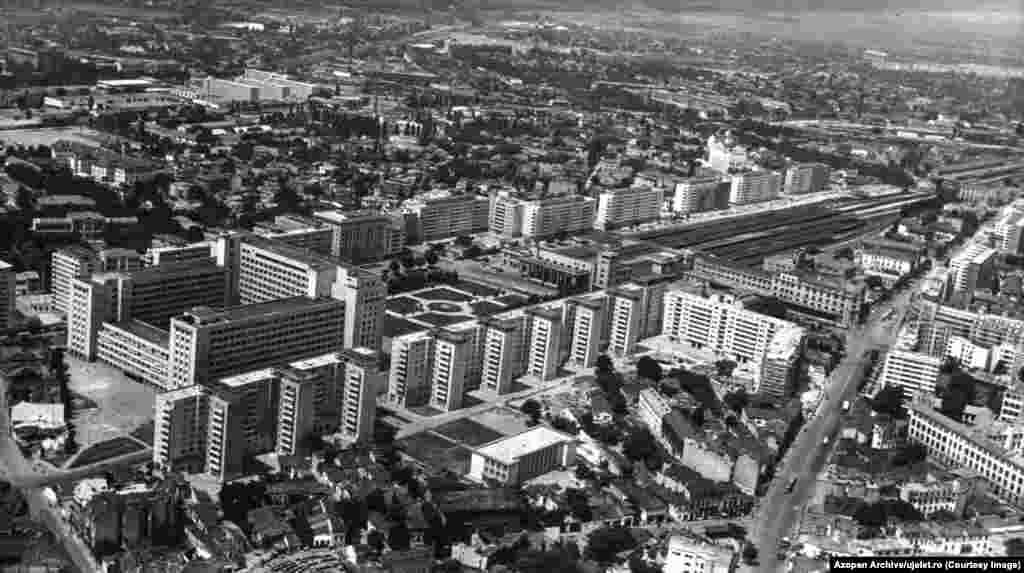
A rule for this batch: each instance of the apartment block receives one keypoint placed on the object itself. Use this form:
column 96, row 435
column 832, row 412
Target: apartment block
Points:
column 1006, row 233
column 364, row 295
column 957, row 445
column 973, row 269
column 721, row 324
column 242, row 421
column 503, row 353
column 628, row 206
column 411, row 373
column 137, row 348
column 780, row 366
column 911, row 372
column 451, row 360
column 362, row 381
column 7, row 287
column 441, row 215
column 754, row 187
column 515, row 459
column 207, row 344
column 700, row 194
column 180, row 429
column 512, row 216
column 187, row 253
column 803, row 178
column 360, row 236
column 627, row 312
column 543, row 355
column 270, row 270
column 588, row 324
column 77, row 262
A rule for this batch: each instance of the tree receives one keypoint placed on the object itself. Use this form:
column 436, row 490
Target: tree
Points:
column 640, row 446
column 737, row 401
column 431, row 257
column 1014, row 547
column 605, row 544
column 605, row 364
column 649, row 368
column 725, row 367
column 910, row 455
column 236, row 499
column 750, row 554
column 888, row 400
column 532, row 408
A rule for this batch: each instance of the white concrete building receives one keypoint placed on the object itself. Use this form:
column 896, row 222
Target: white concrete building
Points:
column 754, row 187
column 911, row 372
column 629, row 206
column 515, row 459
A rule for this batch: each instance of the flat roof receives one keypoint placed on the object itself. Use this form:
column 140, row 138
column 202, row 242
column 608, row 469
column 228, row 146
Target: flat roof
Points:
column 316, row 361
column 508, row 450
column 144, row 330
column 345, row 216
column 284, row 305
column 125, row 83
column 303, row 255
column 246, row 378
column 4, row 266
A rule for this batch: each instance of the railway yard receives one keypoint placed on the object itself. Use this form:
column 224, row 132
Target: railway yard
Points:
column 749, row 239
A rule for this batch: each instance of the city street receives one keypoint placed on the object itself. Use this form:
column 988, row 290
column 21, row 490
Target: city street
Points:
column 780, row 511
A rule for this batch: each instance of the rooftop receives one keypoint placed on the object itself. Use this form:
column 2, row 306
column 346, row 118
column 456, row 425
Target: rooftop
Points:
column 508, row 450
column 144, row 330
column 316, row 361
column 207, row 315
column 246, row 378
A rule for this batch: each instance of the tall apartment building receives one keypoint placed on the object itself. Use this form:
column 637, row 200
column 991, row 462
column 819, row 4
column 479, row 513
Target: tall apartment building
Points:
column 362, row 381
column 543, row 353
column 512, row 216
column 973, row 269
column 361, row 236
column 803, row 178
column 243, row 412
column 754, row 187
column 1006, row 233
column 137, row 348
column 779, row 367
column 207, row 344
column 627, row 313
column 503, row 360
column 628, row 206
column 452, row 354
column 271, row 270
column 719, row 323
column 587, row 317
column 151, row 295
column 411, row 372
column 364, row 294
column 911, row 372
column 180, row 429
column 700, row 194
column 957, row 445
column 76, row 262
column 441, row 215
column 7, row 286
